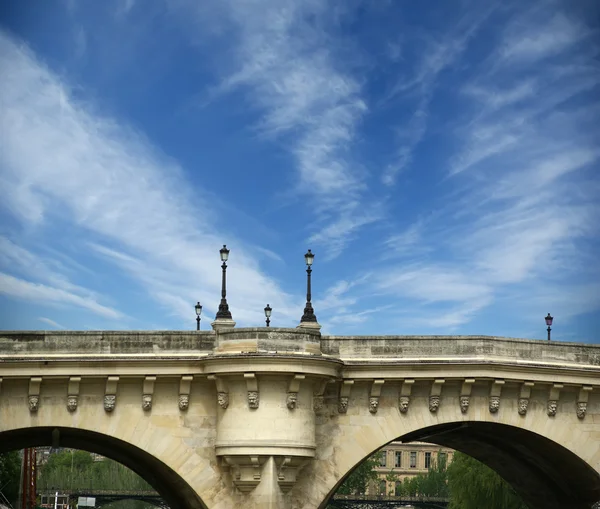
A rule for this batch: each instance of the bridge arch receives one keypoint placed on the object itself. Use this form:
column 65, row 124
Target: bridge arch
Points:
column 551, row 461
column 170, row 485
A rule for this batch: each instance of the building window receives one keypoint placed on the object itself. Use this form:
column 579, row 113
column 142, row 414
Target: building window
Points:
column 427, row 460
column 442, row 459
column 413, row 459
column 382, row 487
column 398, row 462
column 398, row 488
column 382, row 459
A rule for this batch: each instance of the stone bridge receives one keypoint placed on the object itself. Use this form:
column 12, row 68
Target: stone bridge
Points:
column 276, row 418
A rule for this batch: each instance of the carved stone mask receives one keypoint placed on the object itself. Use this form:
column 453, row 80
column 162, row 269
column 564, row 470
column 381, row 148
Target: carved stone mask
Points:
column 253, row 399
column 581, row 409
column 552, row 407
column 494, row 404
column 373, row 404
column 464, row 404
column 34, row 402
column 404, row 401
column 434, row 403
column 523, row 404
column 147, row 401
column 292, row 400
column 110, row 400
column 318, row 402
column 71, row 403
column 223, row 399
column 184, row 401
column 343, row 404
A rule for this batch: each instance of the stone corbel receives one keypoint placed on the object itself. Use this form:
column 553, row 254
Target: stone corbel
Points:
column 344, row 398
column 582, row 400
column 110, row 393
column 252, row 388
column 405, row 391
column 524, row 395
column 293, row 389
column 245, row 471
column 33, row 399
column 375, row 394
column 185, row 386
column 553, row 399
column 73, row 393
column 148, row 392
column 465, row 394
column 319, row 394
column 222, row 391
column 435, row 395
column 288, row 471
column 495, row 392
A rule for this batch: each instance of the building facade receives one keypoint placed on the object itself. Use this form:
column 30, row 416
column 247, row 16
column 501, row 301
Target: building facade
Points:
column 399, row 461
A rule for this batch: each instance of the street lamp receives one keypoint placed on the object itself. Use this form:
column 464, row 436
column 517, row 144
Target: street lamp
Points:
column 198, row 313
column 268, row 314
column 549, row 323
column 309, row 313
column 223, row 311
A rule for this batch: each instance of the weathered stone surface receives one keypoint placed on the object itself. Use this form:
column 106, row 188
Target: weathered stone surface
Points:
column 182, row 415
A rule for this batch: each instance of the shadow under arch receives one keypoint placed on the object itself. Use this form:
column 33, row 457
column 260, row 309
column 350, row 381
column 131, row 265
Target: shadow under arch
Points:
column 544, row 473
column 168, row 483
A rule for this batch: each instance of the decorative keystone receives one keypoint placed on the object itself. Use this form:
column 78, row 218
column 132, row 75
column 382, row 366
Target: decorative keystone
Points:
column 582, row 401
column 405, row 391
column 495, row 392
column 73, row 393
column 222, row 391
column 252, row 387
column 524, row 395
column 110, row 393
column 435, row 395
column 33, row 398
column 553, row 397
column 465, row 394
column 148, row 392
column 185, row 385
column 344, row 396
column 293, row 389
column 375, row 394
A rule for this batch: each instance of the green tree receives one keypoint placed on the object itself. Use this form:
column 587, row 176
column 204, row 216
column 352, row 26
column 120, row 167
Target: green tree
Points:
column 10, row 473
column 473, row 486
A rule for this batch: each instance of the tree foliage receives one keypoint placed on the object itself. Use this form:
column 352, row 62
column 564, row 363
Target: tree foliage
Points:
column 474, row 485
column 10, row 473
column 78, row 470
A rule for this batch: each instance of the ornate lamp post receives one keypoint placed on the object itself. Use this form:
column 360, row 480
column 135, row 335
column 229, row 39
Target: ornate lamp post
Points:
column 223, row 312
column 549, row 323
column 268, row 314
column 309, row 313
column 198, row 313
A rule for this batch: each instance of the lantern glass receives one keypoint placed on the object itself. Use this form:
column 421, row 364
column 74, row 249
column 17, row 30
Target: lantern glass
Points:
column 549, row 320
column 268, row 310
column 198, row 309
column 309, row 257
column 224, row 253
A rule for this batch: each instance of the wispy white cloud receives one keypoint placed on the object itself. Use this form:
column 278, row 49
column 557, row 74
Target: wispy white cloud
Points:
column 44, row 294
column 50, row 322
column 284, row 61
column 60, row 162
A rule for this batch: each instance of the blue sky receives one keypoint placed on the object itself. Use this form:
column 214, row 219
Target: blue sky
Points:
column 441, row 159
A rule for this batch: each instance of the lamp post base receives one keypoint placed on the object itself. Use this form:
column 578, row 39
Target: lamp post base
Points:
column 309, row 325
column 222, row 323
